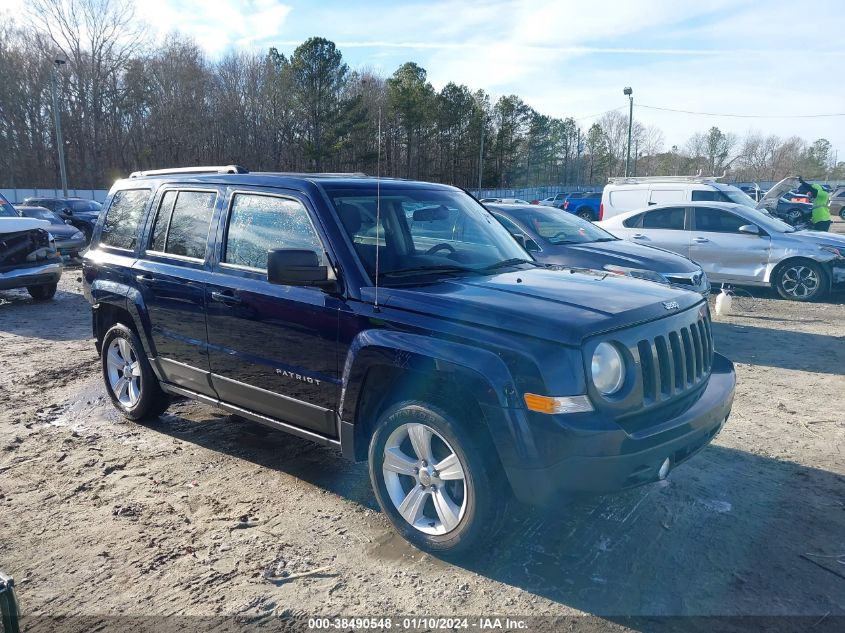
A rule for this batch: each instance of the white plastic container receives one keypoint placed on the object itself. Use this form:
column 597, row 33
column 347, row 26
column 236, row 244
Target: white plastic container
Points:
column 723, row 303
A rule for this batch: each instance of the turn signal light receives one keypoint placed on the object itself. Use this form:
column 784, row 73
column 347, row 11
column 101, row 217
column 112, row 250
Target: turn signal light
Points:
column 552, row 405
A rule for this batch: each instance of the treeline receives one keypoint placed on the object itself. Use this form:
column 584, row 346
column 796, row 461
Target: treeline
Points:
column 127, row 105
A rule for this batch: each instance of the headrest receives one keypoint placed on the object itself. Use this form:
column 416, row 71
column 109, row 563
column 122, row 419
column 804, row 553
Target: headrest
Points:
column 350, row 215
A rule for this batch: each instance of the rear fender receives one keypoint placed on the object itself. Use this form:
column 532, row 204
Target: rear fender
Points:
column 129, row 299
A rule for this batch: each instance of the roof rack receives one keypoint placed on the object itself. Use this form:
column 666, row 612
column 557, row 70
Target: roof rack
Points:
column 351, row 174
column 637, row 179
column 219, row 169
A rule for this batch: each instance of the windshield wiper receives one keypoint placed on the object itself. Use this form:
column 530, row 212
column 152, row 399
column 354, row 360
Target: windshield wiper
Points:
column 606, row 239
column 509, row 262
column 423, row 270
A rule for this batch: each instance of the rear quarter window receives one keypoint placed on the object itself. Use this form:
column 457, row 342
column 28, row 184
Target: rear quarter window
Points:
column 123, row 218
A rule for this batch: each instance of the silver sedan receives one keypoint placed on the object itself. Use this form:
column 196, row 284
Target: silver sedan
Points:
column 740, row 245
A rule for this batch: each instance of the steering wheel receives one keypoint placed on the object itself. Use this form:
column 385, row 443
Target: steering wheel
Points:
column 440, row 247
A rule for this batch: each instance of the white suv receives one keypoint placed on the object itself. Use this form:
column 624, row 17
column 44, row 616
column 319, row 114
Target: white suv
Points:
column 627, row 194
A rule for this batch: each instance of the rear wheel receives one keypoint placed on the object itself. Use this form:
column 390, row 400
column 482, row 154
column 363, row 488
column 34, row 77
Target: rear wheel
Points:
column 585, row 214
column 431, row 479
column 800, row 280
column 842, row 212
column 42, row 293
column 129, row 378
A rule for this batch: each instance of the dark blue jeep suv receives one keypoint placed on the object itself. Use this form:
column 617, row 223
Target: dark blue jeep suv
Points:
column 399, row 322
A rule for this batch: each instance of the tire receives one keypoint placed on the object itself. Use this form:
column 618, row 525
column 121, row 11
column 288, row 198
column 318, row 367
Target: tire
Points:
column 123, row 359
column 842, row 213
column 801, row 280
column 585, row 214
column 470, row 508
column 42, row 293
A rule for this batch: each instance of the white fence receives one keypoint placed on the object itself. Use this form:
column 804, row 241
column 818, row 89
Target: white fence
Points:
column 18, row 195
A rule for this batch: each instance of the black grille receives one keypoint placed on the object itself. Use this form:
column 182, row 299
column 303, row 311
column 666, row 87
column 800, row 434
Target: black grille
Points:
column 675, row 362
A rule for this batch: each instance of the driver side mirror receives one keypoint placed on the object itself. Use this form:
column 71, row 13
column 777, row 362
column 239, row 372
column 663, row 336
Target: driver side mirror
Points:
column 296, row 267
column 749, row 229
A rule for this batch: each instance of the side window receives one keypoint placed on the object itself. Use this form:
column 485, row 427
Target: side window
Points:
column 259, row 223
column 633, row 221
column 123, row 217
column 165, row 210
column 717, row 221
column 187, row 230
column 668, row 218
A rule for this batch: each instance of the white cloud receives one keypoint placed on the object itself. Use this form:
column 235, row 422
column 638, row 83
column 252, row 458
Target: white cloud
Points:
column 219, row 25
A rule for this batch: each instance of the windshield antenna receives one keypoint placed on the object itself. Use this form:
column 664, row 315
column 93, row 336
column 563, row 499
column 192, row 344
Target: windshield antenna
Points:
column 378, row 204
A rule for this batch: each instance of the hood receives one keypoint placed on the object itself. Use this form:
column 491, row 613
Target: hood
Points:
column 561, row 306
column 618, row 253
column 818, row 237
column 63, row 231
column 770, row 200
column 15, row 225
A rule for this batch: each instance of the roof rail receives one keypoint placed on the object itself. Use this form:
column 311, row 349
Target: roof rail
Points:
column 219, row 169
column 638, row 179
column 351, row 174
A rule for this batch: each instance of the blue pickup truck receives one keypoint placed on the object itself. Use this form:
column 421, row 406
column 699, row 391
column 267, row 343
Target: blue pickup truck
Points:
column 584, row 205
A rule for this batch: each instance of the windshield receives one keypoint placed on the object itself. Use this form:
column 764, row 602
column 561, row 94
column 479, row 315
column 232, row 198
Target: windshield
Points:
column 42, row 214
column 423, row 231
column 6, row 209
column 559, row 227
column 85, row 205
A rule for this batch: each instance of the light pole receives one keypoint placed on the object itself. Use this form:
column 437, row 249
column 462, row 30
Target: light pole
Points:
column 57, row 117
column 630, row 93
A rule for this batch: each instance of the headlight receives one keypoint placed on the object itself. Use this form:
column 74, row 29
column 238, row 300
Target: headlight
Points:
column 77, row 236
column 608, row 369
column 839, row 252
column 638, row 273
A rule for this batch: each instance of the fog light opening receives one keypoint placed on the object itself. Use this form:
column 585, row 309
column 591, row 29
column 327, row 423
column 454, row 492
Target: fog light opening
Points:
column 664, row 469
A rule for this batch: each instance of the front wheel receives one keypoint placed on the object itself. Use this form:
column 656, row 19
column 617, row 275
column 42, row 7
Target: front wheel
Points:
column 42, row 293
column 432, row 481
column 129, row 378
column 800, row 281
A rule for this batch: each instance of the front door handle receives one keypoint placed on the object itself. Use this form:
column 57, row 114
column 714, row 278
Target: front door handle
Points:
column 638, row 236
column 225, row 297
column 701, row 240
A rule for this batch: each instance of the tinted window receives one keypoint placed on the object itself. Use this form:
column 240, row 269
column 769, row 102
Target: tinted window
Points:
column 165, row 210
column 123, row 217
column 187, row 231
column 668, row 218
column 260, row 223
column 633, row 220
column 717, row 221
column 84, row 205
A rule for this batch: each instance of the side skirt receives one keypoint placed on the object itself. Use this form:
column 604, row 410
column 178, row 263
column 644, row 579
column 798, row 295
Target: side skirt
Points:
column 250, row 415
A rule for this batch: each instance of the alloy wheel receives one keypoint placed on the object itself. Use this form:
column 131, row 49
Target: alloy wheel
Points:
column 124, row 372
column 800, row 281
column 424, row 478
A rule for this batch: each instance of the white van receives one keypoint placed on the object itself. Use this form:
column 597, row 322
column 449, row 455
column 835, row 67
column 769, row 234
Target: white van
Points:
column 626, row 194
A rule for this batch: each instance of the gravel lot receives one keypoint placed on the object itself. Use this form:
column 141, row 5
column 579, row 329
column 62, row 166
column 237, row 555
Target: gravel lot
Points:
column 202, row 514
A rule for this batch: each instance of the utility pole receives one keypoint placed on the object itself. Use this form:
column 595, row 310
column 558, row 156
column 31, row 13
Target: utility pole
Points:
column 630, row 93
column 57, row 117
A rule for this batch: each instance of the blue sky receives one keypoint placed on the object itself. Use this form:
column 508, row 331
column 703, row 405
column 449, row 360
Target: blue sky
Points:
column 571, row 58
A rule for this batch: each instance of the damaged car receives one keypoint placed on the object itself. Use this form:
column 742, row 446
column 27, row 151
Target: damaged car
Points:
column 28, row 254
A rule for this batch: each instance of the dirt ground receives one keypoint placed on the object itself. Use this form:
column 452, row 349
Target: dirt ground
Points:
column 200, row 514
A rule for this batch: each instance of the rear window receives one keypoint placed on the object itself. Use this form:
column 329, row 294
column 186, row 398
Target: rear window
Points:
column 669, row 218
column 633, row 221
column 120, row 229
column 84, row 205
column 182, row 224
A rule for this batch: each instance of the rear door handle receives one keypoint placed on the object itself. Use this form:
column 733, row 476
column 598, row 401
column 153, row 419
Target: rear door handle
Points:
column 225, row 297
column 146, row 279
column 638, row 236
column 700, row 240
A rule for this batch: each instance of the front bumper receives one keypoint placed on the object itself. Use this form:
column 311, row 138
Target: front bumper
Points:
column 70, row 247
column 836, row 273
column 39, row 275
column 610, row 459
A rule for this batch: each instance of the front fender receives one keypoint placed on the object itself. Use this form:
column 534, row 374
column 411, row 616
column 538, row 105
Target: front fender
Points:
column 491, row 381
